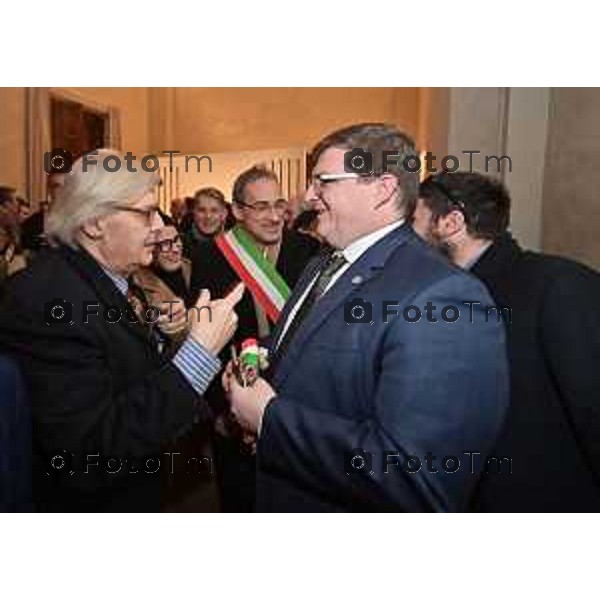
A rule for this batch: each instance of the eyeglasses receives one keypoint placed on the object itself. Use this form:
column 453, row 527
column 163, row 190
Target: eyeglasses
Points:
column 167, row 245
column 148, row 213
column 322, row 179
column 263, row 208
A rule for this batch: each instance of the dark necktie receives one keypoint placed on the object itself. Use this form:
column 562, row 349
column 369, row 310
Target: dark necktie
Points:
column 332, row 265
column 145, row 313
column 136, row 297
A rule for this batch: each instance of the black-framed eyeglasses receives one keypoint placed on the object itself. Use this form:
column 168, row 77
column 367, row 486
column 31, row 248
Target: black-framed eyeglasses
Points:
column 167, row 245
column 148, row 213
column 262, row 208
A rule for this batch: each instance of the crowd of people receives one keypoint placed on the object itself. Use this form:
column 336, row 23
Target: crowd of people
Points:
column 345, row 409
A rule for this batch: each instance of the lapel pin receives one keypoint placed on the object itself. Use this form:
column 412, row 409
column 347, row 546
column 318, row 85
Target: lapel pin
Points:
column 357, row 280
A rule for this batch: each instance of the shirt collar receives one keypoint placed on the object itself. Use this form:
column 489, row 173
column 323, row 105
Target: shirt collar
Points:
column 118, row 280
column 358, row 247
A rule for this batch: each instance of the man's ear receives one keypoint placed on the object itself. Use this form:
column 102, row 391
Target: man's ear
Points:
column 454, row 222
column 388, row 190
column 237, row 211
column 93, row 229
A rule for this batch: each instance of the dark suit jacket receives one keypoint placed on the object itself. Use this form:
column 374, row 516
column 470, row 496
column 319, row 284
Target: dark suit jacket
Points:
column 552, row 431
column 397, row 387
column 95, row 387
column 15, row 441
column 211, row 270
column 32, row 230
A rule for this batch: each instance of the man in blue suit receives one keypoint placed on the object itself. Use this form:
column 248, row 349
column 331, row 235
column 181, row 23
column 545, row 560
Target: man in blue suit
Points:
column 389, row 375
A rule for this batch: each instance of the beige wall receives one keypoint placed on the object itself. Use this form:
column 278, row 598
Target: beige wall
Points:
column 434, row 115
column 161, row 113
column 239, row 119
column 12, row 138
column 571, row 211
column 526, row 145
column 502, row 122
column 476, row 122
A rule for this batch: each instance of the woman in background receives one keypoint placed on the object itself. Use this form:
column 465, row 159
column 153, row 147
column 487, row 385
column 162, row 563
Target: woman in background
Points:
column 206, row 219
column 167, row 280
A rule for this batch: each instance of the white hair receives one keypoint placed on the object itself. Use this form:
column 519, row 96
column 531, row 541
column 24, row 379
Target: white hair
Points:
column 92, row 190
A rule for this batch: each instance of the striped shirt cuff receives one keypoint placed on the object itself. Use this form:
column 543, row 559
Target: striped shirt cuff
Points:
column 196, row 364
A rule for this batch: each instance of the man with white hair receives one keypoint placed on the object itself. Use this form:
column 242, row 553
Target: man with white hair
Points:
column 104, row 398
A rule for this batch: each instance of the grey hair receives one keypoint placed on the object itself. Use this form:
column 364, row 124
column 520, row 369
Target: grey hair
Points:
column 92, row 191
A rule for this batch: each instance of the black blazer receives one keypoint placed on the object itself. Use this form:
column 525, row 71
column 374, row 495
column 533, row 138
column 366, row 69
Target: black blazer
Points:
column 95, row 388
column 552, row 432
column 32, row 230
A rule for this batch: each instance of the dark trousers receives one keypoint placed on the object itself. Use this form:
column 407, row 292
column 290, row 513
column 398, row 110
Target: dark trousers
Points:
column 189, row 481
column 236, row 474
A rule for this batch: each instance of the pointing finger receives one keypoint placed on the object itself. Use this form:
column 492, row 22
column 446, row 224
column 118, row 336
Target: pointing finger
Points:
column 235, row 295
column 203, row 298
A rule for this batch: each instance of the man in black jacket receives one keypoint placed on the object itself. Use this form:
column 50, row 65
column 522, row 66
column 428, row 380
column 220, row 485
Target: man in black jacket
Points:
column 552, row 433
column 259, row 212
column 104, row 397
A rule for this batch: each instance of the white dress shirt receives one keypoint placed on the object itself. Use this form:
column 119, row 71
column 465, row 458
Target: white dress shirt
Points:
column 351, row 253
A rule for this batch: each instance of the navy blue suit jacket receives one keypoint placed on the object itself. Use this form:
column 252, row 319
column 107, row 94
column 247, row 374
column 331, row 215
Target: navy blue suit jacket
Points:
column 15, row 441
column 404, row 392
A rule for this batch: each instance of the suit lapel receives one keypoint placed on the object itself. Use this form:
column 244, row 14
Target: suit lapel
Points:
column 368, row 266
column 106, row 290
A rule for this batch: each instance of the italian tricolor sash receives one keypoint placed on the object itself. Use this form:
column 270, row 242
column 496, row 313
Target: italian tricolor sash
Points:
column 258, row 274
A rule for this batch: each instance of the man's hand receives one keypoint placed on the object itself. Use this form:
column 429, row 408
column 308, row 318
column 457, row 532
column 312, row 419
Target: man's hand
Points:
column 173, row 317
column 247, row 403
column 213, row 328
